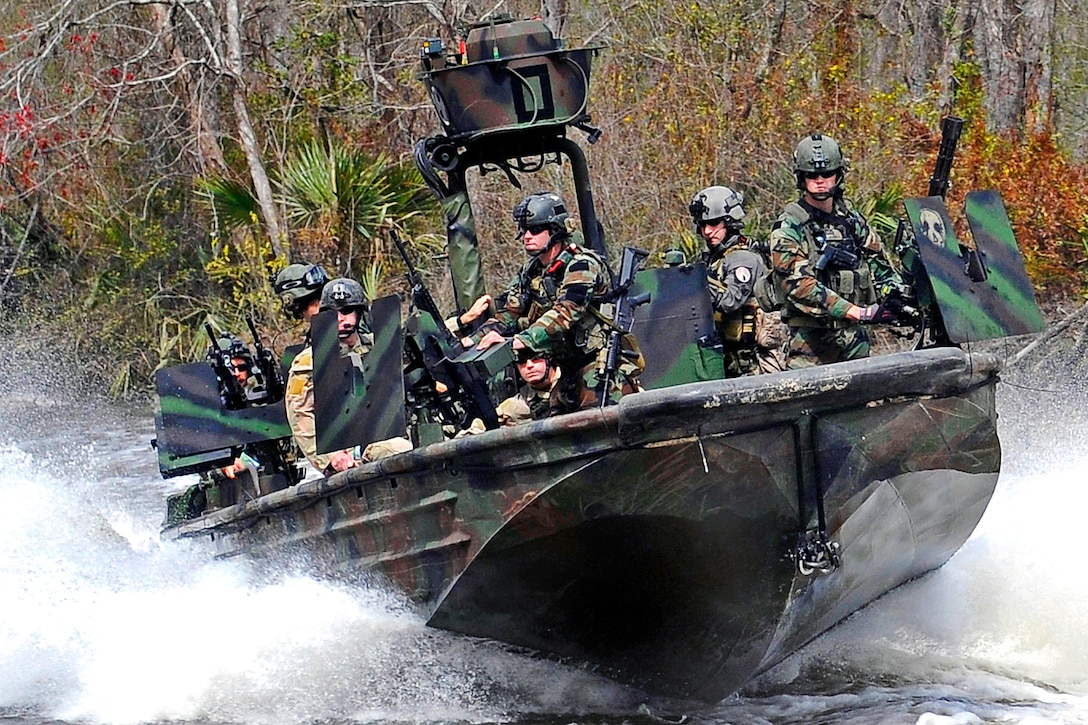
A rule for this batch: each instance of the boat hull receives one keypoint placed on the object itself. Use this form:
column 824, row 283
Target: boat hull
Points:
column 652, row 539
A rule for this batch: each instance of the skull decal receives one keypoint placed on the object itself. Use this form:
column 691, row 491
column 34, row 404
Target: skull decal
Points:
column 932, row 226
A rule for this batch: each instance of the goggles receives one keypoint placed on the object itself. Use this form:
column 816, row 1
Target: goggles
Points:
column 827, row 174
column 315, row 277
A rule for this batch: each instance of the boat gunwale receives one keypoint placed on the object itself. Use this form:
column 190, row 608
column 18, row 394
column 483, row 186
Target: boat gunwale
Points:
column 699, row 410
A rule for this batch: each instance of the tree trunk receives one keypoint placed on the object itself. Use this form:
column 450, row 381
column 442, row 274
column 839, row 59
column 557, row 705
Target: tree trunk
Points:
column 992, row 35
column 1014, row 40
column 554, row 13
column 1039, row 37
column 246, row 134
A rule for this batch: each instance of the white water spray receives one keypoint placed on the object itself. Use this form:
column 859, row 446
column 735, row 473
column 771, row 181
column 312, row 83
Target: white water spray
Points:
column 103, row 623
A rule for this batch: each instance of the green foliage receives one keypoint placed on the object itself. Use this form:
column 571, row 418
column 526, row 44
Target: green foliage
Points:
column 339, row 190
column 337, row 201
column 371, row 279
column 687, row 95
column 233, row 203
column 882, row 210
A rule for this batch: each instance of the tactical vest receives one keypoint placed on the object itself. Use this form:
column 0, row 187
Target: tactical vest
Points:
column 539, row 403
column 855, row 282
column 540, row 292
column 738, row 328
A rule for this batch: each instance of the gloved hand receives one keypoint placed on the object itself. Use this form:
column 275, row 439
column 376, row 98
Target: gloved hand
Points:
column 876, row 315
column 900, row 302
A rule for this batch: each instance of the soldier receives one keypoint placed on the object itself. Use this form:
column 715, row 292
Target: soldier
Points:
column 346, row 297
column 533, row 401
column 733, row 267
column 827, row 262
column 553, row 308
column 242, row 365
column 299, row 287
column 231, row 348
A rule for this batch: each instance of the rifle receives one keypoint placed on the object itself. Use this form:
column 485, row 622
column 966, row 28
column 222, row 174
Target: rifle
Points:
column 268, row 365
column 624, row 316
column 230, row 390
column 834, row 257
column 447, row 362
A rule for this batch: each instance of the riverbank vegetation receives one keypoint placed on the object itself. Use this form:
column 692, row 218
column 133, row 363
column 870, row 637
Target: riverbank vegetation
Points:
column 158, row 161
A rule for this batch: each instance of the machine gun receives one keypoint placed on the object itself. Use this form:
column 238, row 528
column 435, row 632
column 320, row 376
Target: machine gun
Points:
column 624, row 317
column 267, row 365
column 919, row 298
column 457, row 380
column 230, row 390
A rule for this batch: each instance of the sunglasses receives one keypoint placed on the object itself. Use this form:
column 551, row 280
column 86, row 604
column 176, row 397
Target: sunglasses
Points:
column 537, row 228
column 712, row 222
column 821, row 174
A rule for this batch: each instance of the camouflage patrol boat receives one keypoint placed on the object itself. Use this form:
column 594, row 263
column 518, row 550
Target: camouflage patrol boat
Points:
column 684, row 540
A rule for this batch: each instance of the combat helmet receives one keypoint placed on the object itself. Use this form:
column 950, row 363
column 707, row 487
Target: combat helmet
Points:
column 545, row 209
column 297, row 285
column 343, row 293
column 716, row 203
column 233, row 346
column 819, row 154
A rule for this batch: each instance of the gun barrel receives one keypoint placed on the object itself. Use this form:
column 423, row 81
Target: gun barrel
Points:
column 211, row 336
column 951, row 128
column 253, row 331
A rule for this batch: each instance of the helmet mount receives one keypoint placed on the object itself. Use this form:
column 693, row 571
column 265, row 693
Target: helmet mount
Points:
column 345, row 295
column 297, row 285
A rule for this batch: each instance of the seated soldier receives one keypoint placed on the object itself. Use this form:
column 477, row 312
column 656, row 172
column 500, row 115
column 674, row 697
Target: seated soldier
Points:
column 557, row 306
column 231, row 356
column 242, row 366
column 534, row 400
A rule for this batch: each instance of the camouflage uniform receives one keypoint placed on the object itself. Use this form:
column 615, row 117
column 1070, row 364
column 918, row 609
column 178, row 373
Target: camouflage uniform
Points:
column 732, row 270
column 817, row 301
column 554, row 312
column 299, row 400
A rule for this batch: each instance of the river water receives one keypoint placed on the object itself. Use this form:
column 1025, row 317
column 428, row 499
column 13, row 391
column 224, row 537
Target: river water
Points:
column 100, row 622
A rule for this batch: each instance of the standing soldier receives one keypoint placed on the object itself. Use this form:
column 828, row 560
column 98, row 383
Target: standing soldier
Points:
column 553, row 308
column 346, row 297
column 827, row 262
column 732, row 270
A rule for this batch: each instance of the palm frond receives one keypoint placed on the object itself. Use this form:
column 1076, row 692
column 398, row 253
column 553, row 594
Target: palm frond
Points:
column 371, row 279
column 234, row 204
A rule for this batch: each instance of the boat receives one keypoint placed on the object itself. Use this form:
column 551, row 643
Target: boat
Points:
column 682, row 541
